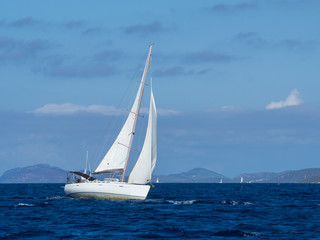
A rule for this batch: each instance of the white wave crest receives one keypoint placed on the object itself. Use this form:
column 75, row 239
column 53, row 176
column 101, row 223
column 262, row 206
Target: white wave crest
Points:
column 24, row 205
column 232, row 202
column 55, row 197
column 182, row 202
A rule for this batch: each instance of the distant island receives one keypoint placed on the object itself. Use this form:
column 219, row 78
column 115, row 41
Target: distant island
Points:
column 44, row 173
column 201, row 175
column 40, row 173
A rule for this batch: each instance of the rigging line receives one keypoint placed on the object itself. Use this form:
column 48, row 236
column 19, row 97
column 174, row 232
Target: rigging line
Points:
column 151, row 70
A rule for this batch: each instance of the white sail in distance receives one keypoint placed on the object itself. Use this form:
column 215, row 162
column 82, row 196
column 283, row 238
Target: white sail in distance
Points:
column 142, row 171
column 116, row 159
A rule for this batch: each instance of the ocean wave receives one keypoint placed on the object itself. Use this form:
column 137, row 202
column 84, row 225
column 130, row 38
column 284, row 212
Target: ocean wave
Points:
column 232, row 202
column 24, row 205
column 152, row 201
column 236, row 233
column 55, row 197
column 185, row 202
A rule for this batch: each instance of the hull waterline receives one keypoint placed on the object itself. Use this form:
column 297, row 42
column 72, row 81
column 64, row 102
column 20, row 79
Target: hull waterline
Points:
column 107, row 190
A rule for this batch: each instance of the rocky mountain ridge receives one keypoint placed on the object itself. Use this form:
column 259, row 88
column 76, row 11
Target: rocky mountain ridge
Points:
column 43, row 173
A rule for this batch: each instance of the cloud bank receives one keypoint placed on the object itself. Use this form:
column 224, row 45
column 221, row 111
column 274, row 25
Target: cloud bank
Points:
column 294, row 99
column 253, row 39
column 24, row 22
column 149, row 28
column 167, row 112
column 21, row 22
column 95, row 70
column 208, row 56
column 237, row 7
column 69, row 108
column 178, row 71
column 18, row 51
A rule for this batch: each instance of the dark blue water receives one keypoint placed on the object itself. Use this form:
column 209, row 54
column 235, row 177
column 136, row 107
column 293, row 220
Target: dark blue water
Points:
column 192, row 211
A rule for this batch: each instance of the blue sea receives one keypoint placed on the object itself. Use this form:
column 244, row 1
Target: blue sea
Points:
column 182, row 211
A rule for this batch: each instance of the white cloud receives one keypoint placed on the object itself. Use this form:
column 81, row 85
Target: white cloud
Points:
column 294, row 99
column 166, row 112
column 227, row 108
column 160, row 111
column 224, row 109
column 69, row 108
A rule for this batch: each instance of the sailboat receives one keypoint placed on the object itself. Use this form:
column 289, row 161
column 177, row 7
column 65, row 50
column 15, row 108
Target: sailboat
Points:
column 241, row 180
column 115, row 161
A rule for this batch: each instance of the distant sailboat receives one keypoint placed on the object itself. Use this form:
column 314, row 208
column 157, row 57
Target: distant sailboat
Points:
column 87, row 164
column 241, row 180
column 87, row 169
column 220, row 180
column 116, row 159
column 157, row 180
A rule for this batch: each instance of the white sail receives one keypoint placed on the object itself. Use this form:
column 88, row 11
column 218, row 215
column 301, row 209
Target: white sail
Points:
column 142, row 171
column 154, row 133
column 116, row 158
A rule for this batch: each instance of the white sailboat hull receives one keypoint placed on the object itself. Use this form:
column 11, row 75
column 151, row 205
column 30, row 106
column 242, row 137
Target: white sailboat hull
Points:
column 107, row 190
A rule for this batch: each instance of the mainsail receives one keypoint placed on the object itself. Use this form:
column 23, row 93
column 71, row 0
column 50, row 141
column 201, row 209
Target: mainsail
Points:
column 115, row 161
column 142, row 171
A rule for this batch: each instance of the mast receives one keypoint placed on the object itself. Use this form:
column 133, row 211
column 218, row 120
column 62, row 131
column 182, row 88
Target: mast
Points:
column 141, row 88
column 85, row 171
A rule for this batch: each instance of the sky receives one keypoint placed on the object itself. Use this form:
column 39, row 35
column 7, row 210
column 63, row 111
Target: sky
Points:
column 235, row 82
